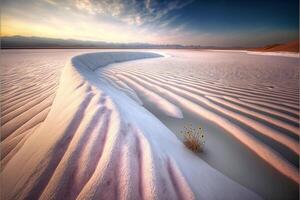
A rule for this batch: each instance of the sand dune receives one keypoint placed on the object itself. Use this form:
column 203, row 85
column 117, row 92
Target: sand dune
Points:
column 84, row 130
column 94, row 144
column 263, row 117
column 264, row 152
column 292, row 46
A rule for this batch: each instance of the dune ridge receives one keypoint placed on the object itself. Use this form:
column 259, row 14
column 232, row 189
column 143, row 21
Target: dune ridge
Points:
column 292, row 46
column 263, row 151
column 265, row 118
column 94, row 142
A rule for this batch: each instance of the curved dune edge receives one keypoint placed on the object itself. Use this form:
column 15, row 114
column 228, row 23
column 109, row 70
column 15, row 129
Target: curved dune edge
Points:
column 174, row 92
column 98, row 143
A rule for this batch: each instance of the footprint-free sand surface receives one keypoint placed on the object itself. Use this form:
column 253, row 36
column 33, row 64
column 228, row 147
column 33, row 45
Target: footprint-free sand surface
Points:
column 84, row 125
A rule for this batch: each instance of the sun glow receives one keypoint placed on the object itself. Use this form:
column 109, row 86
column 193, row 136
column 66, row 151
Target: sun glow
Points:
column 70, row 30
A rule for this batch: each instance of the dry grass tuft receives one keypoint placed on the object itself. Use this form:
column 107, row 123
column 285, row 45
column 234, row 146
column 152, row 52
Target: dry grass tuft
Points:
column 193, row 138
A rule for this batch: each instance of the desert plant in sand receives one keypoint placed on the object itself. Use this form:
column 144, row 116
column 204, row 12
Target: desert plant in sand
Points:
column 193, row 138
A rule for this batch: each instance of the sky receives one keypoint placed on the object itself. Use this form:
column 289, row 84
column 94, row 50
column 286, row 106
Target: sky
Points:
column 223, row 23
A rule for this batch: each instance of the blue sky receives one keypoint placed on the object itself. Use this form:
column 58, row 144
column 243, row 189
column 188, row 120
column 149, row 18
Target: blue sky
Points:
column 190, row 22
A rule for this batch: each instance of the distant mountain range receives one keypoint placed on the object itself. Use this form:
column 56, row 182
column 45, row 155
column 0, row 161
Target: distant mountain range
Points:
column 13, row 42
column 22, row 42
column 39, row 42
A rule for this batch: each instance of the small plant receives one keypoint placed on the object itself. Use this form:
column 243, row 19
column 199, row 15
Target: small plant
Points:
column 193, row 138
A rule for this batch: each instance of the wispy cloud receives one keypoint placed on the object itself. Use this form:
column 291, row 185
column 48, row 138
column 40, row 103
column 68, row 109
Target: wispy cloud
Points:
column 52, row 2
column 131, row 12
column 147, row 21
column 108, row 20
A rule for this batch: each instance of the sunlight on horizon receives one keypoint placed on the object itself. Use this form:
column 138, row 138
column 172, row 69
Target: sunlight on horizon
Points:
column 81, row 22
column 148, row 21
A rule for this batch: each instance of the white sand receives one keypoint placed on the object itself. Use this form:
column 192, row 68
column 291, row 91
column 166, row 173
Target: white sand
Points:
column 88, row 137
column 254, row 98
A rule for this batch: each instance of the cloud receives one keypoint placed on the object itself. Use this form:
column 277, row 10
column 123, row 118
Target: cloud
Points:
column 112, row 8
column 113, row 21
column 131, row 12
column 52, row 2
column 147, row 21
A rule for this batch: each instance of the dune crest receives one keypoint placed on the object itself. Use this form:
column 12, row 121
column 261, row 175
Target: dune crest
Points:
column 95, row 144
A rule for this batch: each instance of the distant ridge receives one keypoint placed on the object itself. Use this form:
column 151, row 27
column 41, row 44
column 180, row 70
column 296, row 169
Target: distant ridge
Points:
column 17, row 42
column 22, row 42
column 292, row 46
